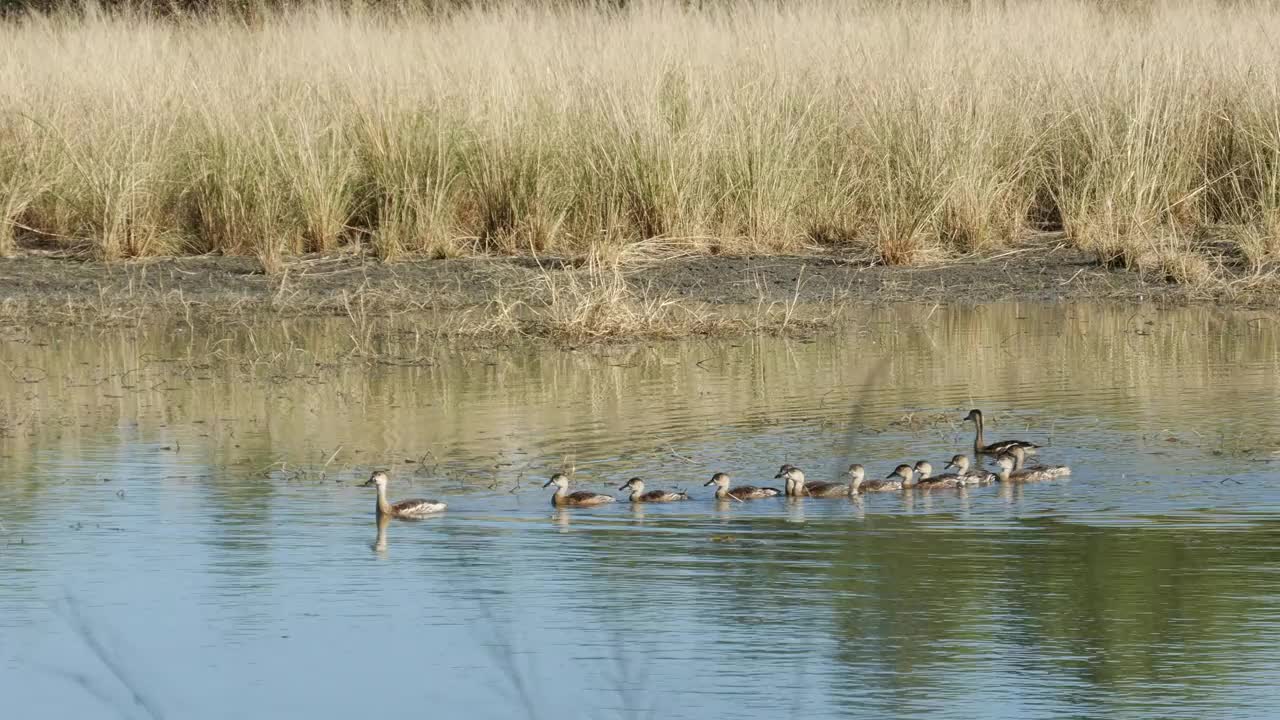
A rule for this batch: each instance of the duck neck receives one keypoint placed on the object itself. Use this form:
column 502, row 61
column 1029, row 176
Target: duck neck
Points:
column 561, row 493
column 722, row 492
column 635, row 495
column 853, row 486
column 1018, row 460
column 1003, row 474
column 384, row 507
column 977, row 438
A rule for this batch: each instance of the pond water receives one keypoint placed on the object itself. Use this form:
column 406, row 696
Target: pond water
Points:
column 182, row 531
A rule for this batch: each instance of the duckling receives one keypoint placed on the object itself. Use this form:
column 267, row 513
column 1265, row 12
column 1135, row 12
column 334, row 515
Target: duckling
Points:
column 746, row 492
column 929, row 481
column 582, row 498
column 859, row 484
column 971, row 477
column 638, row 495
column 995, row 448
column 1048, row 471
column 794, row 480
column 799, row 486
column 404, row 508
column 1006, row 463
column 899, row 479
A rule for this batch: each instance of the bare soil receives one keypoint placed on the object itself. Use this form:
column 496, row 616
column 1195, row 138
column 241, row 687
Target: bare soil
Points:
column 36, row 289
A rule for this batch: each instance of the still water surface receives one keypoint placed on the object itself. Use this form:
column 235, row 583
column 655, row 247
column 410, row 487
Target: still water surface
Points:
column 183, row 535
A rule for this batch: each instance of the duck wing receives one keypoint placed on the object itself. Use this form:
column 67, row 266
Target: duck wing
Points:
column 663, row 496
column 586, row 496
column 417, row 506
column 940, row 481
column 825, row 489
column 1005, row 446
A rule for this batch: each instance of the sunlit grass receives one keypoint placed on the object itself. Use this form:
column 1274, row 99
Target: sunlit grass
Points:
column 898, row 132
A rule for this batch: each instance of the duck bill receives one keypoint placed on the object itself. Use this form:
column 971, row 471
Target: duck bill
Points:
column 367, row 483
column 709, row 482
column 624, row 487
column 547, row 484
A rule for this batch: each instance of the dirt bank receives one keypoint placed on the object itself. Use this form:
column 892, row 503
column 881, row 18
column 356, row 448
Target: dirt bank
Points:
column 43, row 290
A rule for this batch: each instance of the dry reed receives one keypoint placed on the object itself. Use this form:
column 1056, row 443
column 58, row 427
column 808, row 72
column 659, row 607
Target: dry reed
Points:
column 905, row 132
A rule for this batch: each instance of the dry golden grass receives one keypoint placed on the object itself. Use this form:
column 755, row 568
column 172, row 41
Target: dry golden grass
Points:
column 902, row 132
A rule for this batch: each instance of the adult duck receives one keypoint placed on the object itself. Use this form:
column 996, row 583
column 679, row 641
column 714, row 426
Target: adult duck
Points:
column 405, row 508
column 980, row 448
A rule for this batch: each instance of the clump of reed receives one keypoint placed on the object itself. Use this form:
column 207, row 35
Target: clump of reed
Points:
column 901, row 133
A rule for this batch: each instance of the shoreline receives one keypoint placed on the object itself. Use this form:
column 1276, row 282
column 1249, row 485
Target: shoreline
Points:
column 556, row 298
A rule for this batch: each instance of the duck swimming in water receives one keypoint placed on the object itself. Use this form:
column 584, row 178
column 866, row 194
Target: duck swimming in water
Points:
column 995, row 448
column 859, row 483
column 745, row 492
column 799, row 486
column 638, row 495
column 900, row 478
column 1007, row 474
column 1048, row 472
column 971, row 477
column 404, row 508
column 582, row 498
column 793, row 480
column 929, row 481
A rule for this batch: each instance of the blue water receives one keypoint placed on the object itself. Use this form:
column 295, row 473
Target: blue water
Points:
column 183, row 534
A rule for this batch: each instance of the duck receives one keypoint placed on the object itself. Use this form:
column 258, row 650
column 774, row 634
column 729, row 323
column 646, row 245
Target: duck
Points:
column 745, row 492
column 1048, row 471
column 1007, row 474
column 799, row 486
column 405, row 508
column 971, row 477
column 929, row 481
column 638, row 495
column 793, row 478
column 582, row 498
column 900, row 478
column 995, row 448
column 859, row 484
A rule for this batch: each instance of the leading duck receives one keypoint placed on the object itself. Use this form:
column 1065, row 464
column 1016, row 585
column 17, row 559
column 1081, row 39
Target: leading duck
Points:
column 995, row 448
column 638, row 495
column 404, row 508
column 582, row 498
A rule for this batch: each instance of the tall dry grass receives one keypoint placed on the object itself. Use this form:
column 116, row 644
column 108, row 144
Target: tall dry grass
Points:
column 905, row 132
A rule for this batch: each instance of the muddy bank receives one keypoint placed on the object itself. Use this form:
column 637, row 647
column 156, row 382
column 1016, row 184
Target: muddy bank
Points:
column 48, row 290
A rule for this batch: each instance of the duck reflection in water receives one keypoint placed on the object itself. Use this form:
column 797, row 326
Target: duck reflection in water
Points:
column 380, row 541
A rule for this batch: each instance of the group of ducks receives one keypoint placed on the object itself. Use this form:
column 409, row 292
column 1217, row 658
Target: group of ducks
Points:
column 1010, row 459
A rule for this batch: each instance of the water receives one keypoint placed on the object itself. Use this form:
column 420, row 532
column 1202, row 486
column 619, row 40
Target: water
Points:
column 183, row 534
